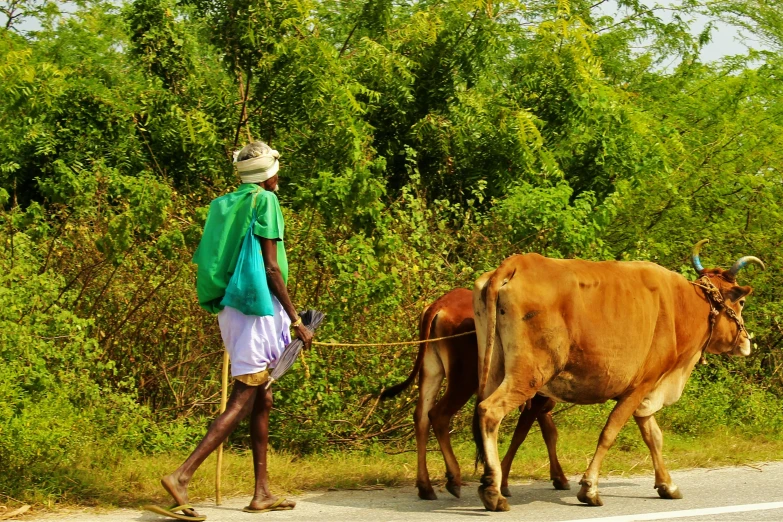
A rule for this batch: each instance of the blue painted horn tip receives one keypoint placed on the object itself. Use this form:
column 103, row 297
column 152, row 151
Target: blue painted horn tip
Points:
column 697, row 263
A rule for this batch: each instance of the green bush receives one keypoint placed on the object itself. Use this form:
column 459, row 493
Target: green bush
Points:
column 717, row 397
column 53, row 405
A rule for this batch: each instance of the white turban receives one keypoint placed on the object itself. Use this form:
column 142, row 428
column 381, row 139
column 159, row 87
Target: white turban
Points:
column 259, row 168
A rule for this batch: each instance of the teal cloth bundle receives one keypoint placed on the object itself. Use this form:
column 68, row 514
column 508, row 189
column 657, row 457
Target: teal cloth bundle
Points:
column 248, row 290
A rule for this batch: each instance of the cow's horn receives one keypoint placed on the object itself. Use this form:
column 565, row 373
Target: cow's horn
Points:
column 745, row 261
column 695, row 256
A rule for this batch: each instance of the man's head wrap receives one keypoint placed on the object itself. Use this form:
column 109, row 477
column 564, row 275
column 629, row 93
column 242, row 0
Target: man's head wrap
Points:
column 262, row 165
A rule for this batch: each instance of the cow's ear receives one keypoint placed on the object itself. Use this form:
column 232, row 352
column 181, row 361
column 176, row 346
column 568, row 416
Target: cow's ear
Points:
column 736, row 293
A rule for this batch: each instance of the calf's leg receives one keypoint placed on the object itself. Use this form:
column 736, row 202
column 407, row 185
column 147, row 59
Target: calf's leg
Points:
column 549, row 432
column 430, row 379
column 653, row 437
column 440, row 415
column 526, row 419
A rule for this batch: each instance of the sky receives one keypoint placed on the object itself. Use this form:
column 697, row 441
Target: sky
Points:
column 727, row 40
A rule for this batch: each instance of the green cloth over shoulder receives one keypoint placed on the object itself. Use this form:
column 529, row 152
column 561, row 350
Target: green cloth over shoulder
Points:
column 226, row 226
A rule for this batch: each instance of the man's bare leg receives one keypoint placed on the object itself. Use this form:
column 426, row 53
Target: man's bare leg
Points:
column 238, row 407
column 259, row 435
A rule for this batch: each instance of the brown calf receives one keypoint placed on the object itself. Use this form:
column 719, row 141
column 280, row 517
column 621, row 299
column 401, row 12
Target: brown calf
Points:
column 456, row 360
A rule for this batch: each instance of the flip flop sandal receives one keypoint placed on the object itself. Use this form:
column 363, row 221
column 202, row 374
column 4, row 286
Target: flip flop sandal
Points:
column 8, row 515
column 276, row 506
column 170, row 512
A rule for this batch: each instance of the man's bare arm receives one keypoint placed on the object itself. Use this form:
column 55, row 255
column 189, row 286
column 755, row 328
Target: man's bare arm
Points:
column 276, row 284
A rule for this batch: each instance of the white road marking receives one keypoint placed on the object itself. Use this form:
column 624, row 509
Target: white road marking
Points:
column 664, row 515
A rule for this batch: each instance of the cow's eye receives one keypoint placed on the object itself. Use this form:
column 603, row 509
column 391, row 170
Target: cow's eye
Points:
column 742, row 303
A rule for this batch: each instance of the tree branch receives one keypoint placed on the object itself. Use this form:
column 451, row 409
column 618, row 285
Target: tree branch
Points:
column 345, row 43
column 244, row 92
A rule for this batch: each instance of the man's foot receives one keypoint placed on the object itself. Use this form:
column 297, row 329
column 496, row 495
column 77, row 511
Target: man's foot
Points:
column 270, row 503
column 178, row 491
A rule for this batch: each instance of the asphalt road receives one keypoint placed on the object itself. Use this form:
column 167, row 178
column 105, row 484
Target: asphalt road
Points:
column 747, row 493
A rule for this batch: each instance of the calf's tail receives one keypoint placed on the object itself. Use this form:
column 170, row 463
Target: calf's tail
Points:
column 425, row 326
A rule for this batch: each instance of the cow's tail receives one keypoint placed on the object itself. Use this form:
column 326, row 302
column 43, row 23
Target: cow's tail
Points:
column 490, row 299
column 425, row 327
column 477, row 438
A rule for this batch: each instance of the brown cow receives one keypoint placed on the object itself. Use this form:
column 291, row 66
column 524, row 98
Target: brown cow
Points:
column 585, row 332
column 456, row 360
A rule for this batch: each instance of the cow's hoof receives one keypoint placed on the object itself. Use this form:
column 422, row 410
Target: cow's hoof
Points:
column 489, row 496
column 427, row 493
column 561, row 484
column 502, row 505
column 589, row 494
column 505, row 491
column 669, row 491
column 454, row 488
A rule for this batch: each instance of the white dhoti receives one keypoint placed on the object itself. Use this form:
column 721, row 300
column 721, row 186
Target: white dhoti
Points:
column 254, row 343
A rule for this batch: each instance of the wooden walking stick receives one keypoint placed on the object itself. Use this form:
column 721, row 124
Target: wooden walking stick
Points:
column 223, row 400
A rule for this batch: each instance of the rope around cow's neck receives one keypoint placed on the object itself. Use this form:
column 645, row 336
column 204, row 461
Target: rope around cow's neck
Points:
column 403, row 343
column 717, row 305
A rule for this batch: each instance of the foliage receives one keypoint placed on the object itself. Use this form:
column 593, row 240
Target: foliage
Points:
column 54, row 402
column 422, row 142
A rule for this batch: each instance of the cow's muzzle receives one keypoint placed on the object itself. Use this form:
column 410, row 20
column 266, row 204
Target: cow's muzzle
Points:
column 743, row 347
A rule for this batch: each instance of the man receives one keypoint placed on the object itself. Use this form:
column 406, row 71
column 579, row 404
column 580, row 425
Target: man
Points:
column 254, row 343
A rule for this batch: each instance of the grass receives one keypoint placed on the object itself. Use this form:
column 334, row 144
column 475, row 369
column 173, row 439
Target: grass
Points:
column 132, row 480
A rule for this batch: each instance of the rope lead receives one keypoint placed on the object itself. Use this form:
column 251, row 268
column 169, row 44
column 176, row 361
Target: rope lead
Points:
column 403, row 343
